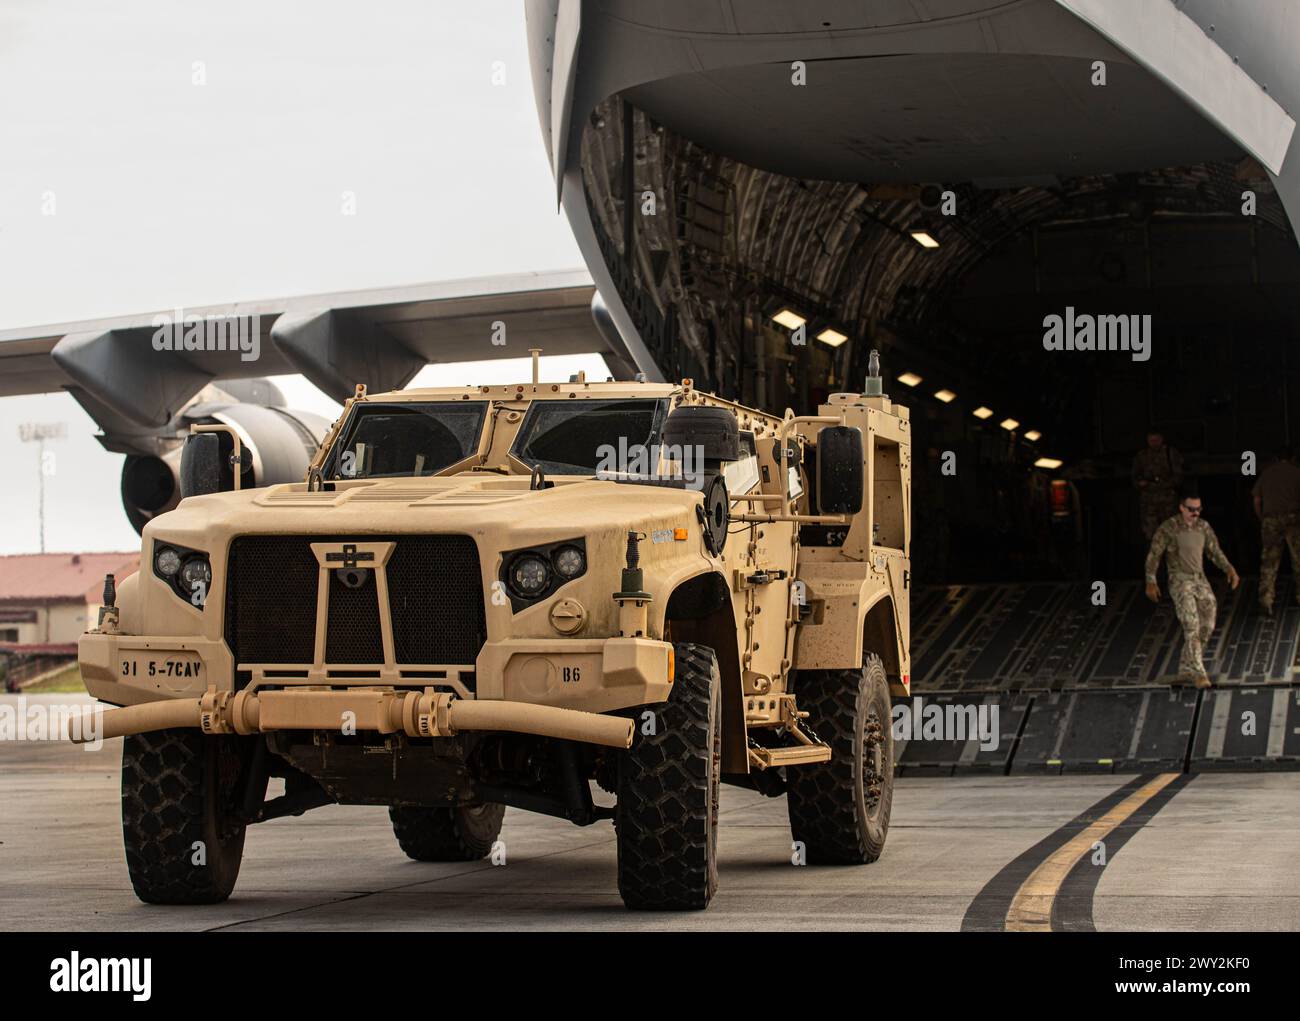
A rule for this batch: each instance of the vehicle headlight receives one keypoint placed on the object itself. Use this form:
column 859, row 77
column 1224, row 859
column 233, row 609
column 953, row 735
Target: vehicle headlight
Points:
column 569, row 562
column 186, row 571
column 167, row 561
column 529, row 575
column 535, row 572
column 196, row 571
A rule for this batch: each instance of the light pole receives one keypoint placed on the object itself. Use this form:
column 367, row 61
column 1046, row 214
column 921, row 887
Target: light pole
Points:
column 38, row 433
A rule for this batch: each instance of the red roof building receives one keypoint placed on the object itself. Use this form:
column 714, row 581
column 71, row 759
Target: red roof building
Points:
column 47, row 600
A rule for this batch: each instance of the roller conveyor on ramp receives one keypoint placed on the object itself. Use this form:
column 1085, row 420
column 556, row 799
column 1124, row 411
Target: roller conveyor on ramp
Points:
column 1034, row 678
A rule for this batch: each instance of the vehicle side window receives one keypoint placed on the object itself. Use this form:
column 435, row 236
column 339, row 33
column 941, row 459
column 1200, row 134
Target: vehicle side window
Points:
column 742, row 475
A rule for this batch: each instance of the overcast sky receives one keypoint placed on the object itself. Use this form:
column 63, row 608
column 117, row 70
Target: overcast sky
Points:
column 127, row 187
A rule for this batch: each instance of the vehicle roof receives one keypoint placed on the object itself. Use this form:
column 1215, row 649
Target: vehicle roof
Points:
column 567, row 390
column 527, row 391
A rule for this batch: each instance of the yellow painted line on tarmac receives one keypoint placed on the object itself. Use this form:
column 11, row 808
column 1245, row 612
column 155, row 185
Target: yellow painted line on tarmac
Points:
column 1031, row 908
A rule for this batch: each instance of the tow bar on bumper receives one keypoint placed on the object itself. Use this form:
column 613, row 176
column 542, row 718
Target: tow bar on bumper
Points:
column 416, row 714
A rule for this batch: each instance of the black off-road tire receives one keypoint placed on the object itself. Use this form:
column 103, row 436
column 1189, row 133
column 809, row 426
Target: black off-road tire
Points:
column 447, row 834
column 839, row 810
column 668, row 783
column 179, row 789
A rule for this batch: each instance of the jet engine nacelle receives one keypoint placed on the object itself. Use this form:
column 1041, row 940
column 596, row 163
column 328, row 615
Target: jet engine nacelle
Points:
column 278, row 444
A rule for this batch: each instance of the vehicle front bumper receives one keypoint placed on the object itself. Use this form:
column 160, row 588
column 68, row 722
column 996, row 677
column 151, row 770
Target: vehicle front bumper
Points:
column 581, row 677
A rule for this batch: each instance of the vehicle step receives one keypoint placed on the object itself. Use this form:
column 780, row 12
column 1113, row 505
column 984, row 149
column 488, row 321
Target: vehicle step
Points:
column 798, row 755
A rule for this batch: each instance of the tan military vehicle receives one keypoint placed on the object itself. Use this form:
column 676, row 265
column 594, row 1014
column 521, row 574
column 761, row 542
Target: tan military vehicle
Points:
column 493, row 596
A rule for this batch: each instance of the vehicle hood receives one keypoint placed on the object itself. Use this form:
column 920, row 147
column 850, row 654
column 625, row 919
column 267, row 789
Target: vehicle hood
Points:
column 470, row 504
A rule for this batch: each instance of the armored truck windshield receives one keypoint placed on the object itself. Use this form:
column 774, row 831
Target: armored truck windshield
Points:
column 567, row 437
column 387, row 440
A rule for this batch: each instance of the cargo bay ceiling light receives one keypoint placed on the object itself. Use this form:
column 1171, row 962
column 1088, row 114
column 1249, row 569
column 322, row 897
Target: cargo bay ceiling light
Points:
column 982, row 412
column 909, row 379
column 1009, row 424
column 1033, row 436
column 924, row 239
column 947, row 396
column 791, row 320
column 833, row 338
column 1048, row 462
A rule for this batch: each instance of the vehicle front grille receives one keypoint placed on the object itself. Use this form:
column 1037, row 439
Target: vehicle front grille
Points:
column 435, row 598
column 435, row 592
column 271, row 599
column 354, row 635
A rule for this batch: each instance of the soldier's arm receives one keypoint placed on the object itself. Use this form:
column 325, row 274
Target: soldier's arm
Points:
column 1159, row 542
column 1215, row 552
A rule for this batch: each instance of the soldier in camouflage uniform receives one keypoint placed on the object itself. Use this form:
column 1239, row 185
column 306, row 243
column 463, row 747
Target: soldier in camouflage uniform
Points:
column 1183, row 540
column 1158, row 476
column 1277, row 502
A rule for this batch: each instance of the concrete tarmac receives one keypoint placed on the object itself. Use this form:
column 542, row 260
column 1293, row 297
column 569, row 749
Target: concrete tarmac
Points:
column 1223, row 853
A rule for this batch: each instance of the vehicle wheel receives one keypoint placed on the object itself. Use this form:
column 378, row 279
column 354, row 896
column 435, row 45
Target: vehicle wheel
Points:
column 179, row 790
column 447, row 834
column 839, row 809
column 667, row 814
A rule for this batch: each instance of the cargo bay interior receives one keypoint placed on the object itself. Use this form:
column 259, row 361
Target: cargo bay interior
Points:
column 767, row 258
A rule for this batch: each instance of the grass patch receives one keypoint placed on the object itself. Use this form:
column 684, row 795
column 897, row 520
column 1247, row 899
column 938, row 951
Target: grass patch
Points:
column 65, row 681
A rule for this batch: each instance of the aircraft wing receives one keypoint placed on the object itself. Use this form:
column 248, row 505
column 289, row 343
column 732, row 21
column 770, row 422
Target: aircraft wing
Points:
column 143, row 369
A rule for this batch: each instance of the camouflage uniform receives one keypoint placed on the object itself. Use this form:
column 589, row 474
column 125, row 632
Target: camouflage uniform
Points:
column 1182, row 547
column 1278, row 491
column 1161, row 469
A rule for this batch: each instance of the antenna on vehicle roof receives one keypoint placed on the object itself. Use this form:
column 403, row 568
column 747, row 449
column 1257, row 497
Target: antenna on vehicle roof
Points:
column 873, row 375
column 536, row 352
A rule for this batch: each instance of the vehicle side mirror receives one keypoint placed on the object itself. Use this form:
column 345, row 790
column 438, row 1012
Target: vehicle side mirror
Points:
column 839, row 470
column 201, row 465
